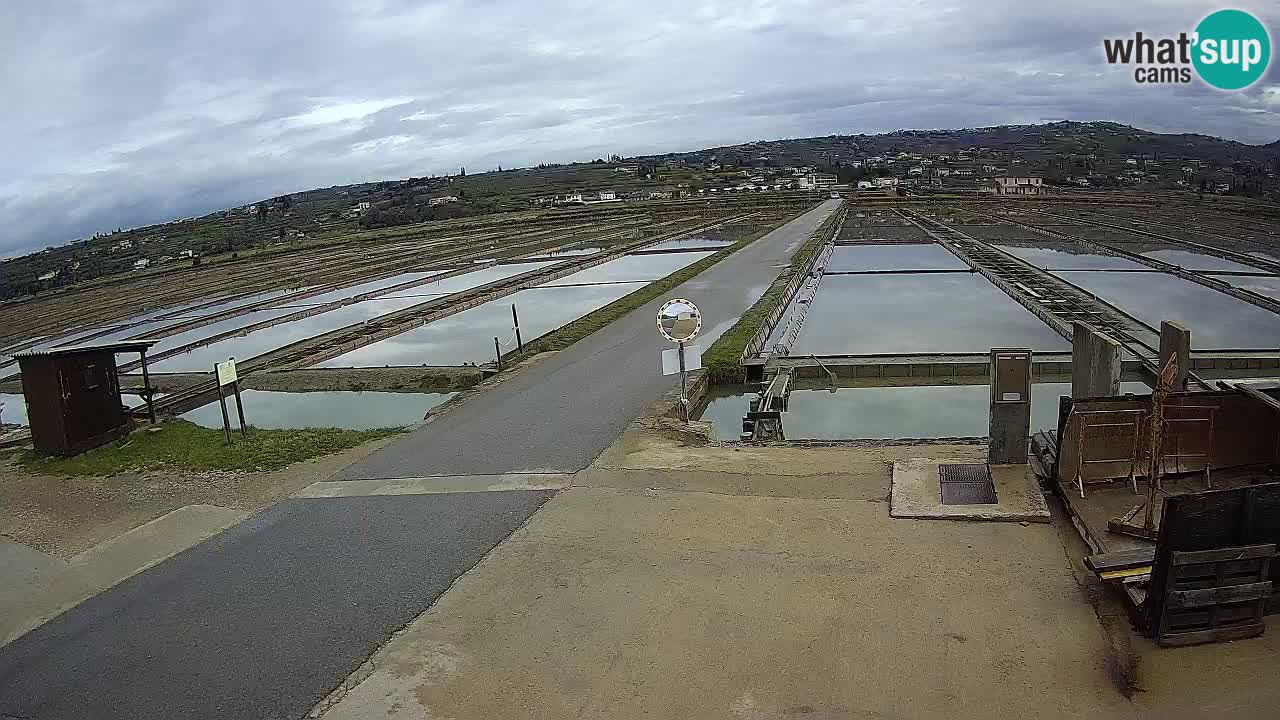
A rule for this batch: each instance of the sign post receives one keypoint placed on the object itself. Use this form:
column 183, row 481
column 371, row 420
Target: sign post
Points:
column 680, row 321
column 226, row 375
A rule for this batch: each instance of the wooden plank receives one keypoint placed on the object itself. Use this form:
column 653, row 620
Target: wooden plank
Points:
column 1179, row 599
column 1260, row 396
column 1126, row 573
column 1120, row 559
column 1185, row 557
column 1197, row 637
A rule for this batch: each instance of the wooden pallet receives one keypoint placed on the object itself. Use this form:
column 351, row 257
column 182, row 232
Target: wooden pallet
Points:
column 1215, row 595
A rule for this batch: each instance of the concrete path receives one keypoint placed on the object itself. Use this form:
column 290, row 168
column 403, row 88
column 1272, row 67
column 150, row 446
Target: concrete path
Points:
column 261, row 621
column 558, row 415
column 808, row 603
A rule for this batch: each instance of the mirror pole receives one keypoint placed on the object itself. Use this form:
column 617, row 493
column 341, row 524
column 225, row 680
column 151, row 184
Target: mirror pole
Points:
column 684, row 396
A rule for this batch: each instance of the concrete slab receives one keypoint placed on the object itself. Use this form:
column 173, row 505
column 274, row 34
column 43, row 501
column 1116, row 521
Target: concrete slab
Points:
column 21, row 567
column 441, row 484
column 47, row 595
column 657, row 604
column 916, row 494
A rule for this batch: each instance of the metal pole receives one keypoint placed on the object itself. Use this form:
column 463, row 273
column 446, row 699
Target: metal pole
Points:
column 146, row 388
column 239, row 407
column 497, row 351
column 516, row 319
column 684, row 399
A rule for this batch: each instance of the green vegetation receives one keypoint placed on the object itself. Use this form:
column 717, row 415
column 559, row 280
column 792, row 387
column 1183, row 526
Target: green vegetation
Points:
column 185, row 446
column 723, row 360
column 569, row 334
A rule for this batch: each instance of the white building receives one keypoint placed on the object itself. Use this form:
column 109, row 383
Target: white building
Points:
column 865, row 184
column 608, row 195
column 443, row 200
column 1019, row 185
column 141, row 263
column 887, row 182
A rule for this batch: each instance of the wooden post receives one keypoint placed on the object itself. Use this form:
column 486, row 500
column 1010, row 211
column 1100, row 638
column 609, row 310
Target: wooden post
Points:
column 516, row 319
column 146, row 389
column 1175, row 341
column 497, row 352
column 1095, row 363
column 235, row 386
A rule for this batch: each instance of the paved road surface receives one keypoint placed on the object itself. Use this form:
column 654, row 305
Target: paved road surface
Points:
column 561, row 413
column 264, row 619
column 261, row 621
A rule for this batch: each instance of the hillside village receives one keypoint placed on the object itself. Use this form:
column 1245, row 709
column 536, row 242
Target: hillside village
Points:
column 1029, row 159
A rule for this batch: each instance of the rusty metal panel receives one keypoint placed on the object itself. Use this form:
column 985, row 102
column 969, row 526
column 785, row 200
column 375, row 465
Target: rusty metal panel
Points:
column 1245, row 433
column 1011, row 377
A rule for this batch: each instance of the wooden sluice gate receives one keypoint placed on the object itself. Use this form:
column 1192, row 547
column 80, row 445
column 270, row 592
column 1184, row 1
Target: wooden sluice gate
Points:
column 1178, row 496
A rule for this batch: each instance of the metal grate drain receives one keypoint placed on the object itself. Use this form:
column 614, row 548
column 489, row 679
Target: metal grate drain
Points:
column 966, row 484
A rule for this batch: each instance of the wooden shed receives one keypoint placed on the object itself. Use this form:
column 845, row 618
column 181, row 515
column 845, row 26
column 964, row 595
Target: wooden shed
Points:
column 73, row 395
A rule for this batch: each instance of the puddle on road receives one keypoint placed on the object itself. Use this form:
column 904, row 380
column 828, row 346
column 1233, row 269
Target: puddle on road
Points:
column 351, row 410
column 898, row 256
column 1217, row 321
column 890, row 314
column 926, row 411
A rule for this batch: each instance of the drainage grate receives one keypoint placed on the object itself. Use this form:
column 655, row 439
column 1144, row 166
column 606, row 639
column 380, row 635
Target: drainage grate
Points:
column 968, row 484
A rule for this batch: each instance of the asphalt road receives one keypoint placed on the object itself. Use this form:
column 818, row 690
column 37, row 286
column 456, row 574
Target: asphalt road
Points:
column 560, row 414
column 261, row 621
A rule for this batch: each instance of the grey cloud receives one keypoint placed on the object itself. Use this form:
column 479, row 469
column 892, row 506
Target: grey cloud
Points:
column 140, row 111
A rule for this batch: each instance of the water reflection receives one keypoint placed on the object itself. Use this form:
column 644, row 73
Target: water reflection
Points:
column 350, row 410
column 1068, row 256
column 14, row 411
column 693, row 242
column 928, row 411
column 467, row 337
column 880, row 314
column 1268, row 286
column 1199, row 261
column 899, row 256
column 1217, row 321
column 277, row 336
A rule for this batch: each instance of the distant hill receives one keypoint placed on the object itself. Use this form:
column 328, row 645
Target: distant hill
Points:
column 1105, row 139
column 1061, row 151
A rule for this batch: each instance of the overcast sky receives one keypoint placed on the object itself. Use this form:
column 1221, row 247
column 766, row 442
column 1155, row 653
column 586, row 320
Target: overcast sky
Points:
column 125, row 112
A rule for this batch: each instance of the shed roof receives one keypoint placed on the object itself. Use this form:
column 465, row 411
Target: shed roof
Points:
column 123, row 346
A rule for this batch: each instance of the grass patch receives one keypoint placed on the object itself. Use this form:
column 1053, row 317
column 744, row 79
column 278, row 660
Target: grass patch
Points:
column 182, row 445
column 723, row 360
column 567, row 335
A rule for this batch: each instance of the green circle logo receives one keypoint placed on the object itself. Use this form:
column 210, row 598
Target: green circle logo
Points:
column 1232, row 49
